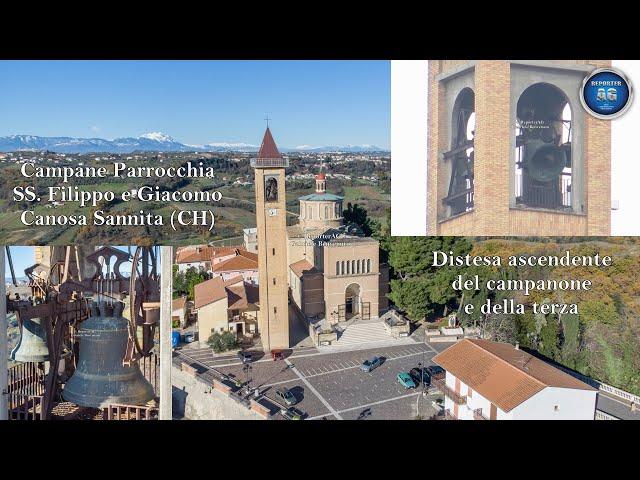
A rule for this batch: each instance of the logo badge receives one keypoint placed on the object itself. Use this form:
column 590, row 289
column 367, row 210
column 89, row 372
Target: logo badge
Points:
column 606, row 93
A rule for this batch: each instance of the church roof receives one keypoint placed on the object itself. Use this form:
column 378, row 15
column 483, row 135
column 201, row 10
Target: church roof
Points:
column 319, row 197
column 268, row 149
column 302, row 267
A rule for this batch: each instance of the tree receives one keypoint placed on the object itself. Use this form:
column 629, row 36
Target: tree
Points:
column 419, row 287
column 358, row 215
column 221, row 342
column 411, row 296
column 185, row 283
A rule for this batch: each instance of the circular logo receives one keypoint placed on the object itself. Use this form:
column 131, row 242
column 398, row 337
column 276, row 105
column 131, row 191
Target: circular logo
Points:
column 606, row 93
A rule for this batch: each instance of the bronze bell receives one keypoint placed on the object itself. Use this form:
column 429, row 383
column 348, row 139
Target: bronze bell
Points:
column 33, row 343
column 101, row 378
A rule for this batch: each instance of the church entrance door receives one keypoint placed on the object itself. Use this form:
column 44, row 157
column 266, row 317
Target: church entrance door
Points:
column 352, row 300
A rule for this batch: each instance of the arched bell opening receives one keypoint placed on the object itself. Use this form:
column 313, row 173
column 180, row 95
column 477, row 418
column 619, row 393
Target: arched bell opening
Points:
column 459, row 197
column 543, row 160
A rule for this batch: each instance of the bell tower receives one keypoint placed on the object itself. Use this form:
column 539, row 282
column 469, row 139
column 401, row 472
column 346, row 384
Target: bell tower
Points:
column 511, row 151
column 273, row 324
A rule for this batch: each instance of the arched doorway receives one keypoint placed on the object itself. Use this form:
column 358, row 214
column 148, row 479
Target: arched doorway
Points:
column 352, row 300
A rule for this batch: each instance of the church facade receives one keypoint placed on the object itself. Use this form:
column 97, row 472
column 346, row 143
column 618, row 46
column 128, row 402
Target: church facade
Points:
column 318, row 269
column 334, row 271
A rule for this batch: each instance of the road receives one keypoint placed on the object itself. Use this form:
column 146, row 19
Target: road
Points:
column 615, row 407
column 332, row 386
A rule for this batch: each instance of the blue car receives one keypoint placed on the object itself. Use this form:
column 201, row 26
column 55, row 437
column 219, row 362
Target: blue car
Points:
column 406, row 381
column 369, row 365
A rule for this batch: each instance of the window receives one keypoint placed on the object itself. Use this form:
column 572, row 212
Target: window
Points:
column 327, row 213
column 459, row 198
column 274, row 251
column 543, row 160
column 368, row 265
column 274, row 280
column 337, row 268
column 275, row 309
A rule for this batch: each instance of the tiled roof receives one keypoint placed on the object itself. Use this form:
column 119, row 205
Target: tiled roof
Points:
column 268, row 148
column 301, row 267
column 178, row 303
column 209, row 292
column 239, row 262
column 193, row 255
column 504, row 375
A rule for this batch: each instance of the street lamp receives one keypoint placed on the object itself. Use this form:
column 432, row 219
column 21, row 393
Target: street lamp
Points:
column 247, row 372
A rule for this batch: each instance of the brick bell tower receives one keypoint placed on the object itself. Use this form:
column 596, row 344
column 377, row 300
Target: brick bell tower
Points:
column 273, row 325
column 511, row 151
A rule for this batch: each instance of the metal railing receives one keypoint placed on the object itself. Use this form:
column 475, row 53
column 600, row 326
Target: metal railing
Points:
column 25, row 407
column 129, row 412
column 448, row 415
column 150, row 368
column 600, row 415
column 477, row 414
column 25, row 391
column 440, row 384
column 269, row 162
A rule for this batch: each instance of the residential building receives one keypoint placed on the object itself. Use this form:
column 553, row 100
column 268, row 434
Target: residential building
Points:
column 488, row 380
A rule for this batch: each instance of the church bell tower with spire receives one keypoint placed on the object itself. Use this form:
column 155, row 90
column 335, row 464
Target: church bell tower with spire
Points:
column 271, row 224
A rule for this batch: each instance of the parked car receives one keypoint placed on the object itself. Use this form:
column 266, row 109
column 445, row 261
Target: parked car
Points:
column 406, row 381
column 277, row 354
column 369, row 365
column 245, row 357
column 285, row 395
column 292, row 414
column 420, row 375
column 436, row 372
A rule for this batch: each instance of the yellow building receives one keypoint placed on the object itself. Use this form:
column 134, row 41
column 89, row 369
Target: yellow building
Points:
column 226, row 305
column 334, row 271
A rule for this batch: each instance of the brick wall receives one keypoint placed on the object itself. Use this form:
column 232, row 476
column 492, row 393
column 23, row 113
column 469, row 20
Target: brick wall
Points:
column 492, row 215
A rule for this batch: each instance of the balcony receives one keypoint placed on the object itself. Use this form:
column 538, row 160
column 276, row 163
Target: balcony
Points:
column 440, row 384
column 477, row 414
column 269, row 162
column 448, row 415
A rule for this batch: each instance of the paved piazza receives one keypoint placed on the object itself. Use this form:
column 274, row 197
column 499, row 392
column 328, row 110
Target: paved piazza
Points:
column 332, row 386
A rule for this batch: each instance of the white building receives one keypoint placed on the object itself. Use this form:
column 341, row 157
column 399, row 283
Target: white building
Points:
column 488, row 380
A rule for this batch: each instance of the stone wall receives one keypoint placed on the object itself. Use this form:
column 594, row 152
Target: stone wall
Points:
column 195, row 400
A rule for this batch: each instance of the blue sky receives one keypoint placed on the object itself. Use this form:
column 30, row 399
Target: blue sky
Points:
column 24, row 257
column 310, row 102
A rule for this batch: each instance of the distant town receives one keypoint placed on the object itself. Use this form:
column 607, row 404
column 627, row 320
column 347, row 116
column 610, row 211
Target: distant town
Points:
column 362, row 177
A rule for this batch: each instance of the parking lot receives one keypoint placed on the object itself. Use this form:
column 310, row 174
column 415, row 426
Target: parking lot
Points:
column 332, row 385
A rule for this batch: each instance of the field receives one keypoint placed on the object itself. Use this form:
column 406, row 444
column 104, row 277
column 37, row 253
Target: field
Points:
column 233, row 213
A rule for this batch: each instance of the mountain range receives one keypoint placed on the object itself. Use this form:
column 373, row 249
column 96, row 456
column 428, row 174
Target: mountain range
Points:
column 150, row 142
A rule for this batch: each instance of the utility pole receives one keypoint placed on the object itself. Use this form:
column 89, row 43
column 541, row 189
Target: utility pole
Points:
column 166, row 289
column 4, row 365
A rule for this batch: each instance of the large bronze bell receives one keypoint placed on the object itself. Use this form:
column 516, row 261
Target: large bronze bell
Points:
column 101, row 378
column 33, row 343
column 544, row 161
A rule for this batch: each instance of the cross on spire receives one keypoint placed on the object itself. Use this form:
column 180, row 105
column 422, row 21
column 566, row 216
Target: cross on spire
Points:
column 267, row 120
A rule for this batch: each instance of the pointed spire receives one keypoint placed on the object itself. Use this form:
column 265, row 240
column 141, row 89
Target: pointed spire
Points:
column 268, row 149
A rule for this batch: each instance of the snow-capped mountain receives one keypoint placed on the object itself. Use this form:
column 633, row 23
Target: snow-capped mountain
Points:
column 148, row 142
column 341, row 148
